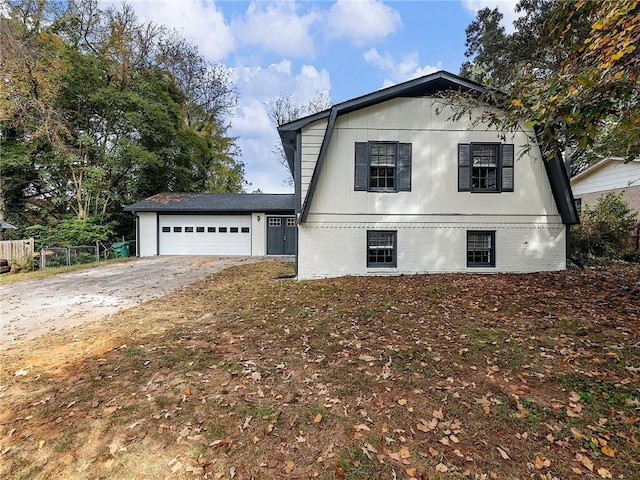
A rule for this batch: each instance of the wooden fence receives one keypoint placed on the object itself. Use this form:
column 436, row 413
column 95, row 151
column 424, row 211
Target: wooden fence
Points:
column 19, row 252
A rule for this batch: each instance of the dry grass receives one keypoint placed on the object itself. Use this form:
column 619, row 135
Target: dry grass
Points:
column 23, row 276
column 248, row 375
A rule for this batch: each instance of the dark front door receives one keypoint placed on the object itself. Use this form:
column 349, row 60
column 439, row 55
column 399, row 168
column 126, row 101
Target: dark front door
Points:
column 281, row 235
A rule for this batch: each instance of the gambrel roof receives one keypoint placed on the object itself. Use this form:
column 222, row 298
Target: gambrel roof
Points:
column 424, row 86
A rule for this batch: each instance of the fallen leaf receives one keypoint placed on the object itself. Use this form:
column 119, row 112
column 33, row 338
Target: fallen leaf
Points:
column 288, row 468
column 576, row 470
column 503, row 454
column 410, row 471
column 110, row 409
column 402, row 401
column 367, row 358
column 608, row 451
column 604, row 473
column 318, row 418
column 404, row 453
column 442, row 468
column 541, row 462
column 361, row 428
column 438, row 414
column 585, row 461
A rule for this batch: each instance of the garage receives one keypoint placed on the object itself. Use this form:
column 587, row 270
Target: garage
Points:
column 205, row 235
column 215, row 224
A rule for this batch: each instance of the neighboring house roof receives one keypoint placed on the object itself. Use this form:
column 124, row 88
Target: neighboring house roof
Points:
column 6, row 226
column 423, row 86
column 214, row 203
column 602, row 163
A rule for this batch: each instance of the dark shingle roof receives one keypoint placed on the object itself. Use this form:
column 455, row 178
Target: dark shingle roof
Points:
column 215, row 203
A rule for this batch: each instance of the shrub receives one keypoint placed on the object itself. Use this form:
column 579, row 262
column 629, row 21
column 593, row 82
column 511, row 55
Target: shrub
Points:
column 604, row 229
column 70, row 232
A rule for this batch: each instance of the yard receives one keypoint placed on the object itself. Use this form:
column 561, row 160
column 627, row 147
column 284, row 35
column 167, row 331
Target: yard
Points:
column 253, row 375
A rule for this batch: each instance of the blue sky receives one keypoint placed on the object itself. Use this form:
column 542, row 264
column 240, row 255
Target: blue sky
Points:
column 345, row 47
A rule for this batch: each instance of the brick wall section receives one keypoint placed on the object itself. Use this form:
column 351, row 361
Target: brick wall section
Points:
column 631, row 195
column 336, row 249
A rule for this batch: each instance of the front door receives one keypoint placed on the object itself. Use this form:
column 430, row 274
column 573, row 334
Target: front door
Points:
column 281, row 235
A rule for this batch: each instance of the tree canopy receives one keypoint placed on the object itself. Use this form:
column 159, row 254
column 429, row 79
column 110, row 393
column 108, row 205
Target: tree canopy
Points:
column 99, row 110
column 569, row 69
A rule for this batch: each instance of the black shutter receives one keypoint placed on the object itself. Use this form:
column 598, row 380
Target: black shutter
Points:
column 464, row 167
column 404, row 167
column 507, row 167
column 362, row 167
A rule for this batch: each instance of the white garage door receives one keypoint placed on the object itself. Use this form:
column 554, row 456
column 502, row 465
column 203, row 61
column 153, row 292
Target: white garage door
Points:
column 205, row 234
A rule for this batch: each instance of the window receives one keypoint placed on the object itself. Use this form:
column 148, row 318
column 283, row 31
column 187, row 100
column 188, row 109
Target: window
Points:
column 245, row 230
column 381, row 248
column 275, row 222
column 200, row 229
column 166, row 229
column 291, row 222
column 484, row 170
column 222, row 229
column 481, row 249
column 578, row 203
column 211, row 229
column 382, row 167
column 188, row 229
column 233, row 230
column 485, row 167
column 177, row 229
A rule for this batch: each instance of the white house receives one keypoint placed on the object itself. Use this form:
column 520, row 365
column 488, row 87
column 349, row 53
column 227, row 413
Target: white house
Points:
column 389, row 183
column 611, row 174
column 215, row 224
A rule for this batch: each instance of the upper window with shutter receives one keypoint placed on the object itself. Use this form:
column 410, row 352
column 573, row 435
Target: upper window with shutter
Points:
column 485, row 167
column 383, row 166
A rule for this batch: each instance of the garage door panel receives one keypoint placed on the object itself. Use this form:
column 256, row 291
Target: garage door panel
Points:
column 205, row 235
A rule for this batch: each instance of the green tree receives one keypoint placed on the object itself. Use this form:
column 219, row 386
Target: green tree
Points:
column 570, row 69
column 102, row 110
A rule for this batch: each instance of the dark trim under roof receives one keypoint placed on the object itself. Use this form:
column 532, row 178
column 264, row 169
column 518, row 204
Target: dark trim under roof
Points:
column 215, row 203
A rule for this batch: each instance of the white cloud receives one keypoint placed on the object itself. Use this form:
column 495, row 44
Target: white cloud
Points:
column 257, row 136
column 506, row 7
column 407, row 68
column 362, row 21
column 201, row 23
column 277, row 27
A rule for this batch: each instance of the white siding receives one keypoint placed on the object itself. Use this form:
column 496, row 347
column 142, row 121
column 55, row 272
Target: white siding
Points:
column 148, row 234
column 433, row 218
column 258, row 234
column 312, row 136
column 612, row 175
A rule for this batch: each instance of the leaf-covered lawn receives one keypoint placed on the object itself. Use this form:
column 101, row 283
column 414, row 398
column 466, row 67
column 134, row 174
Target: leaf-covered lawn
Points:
column 249, row 375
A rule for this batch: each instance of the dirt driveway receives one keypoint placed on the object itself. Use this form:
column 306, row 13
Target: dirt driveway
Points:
column 32, row 308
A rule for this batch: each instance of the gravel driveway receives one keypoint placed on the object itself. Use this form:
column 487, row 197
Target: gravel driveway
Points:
column 32, row 308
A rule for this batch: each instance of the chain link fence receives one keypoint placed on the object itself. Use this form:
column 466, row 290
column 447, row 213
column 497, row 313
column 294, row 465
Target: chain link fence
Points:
column 49, row 257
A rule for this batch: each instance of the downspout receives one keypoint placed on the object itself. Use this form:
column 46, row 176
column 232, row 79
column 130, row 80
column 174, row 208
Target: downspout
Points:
column 297, row 181
column 137, row 234
column 567, row 166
